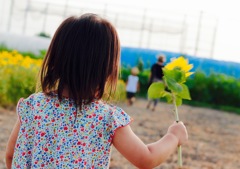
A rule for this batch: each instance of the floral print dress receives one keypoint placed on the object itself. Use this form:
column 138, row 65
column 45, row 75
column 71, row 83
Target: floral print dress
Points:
column 55, row 134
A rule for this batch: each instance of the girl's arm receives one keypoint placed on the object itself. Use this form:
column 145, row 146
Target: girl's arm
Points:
column 151, row 155
column 11, row 144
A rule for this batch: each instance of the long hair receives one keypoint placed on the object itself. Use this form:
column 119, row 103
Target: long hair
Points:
column 83, row 57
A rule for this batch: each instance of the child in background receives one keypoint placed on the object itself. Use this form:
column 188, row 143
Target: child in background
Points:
column 156, row 76
column 68, row 125
column 132, row 85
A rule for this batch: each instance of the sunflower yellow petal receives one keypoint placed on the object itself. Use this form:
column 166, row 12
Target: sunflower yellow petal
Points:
column 189, row 73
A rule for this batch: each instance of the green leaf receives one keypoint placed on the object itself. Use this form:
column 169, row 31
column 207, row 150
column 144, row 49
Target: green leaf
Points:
column 168, row 97
column 176, row 74
column 184, row 94
column 172, row 84
column 178, row 101
column 156, row 90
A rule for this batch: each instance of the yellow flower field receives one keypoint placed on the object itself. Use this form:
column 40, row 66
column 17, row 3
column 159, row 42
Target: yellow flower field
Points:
column 18, row 76
column 16, row 59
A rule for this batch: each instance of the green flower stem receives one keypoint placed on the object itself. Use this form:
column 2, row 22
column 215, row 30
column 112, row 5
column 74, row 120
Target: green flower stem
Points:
column 175, row 107
column 180, row 156
column 177, row 119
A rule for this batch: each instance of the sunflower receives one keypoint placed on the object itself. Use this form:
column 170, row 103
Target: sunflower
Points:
column 180, row 63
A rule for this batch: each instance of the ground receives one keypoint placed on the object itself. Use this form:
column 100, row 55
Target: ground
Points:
column 214, row 137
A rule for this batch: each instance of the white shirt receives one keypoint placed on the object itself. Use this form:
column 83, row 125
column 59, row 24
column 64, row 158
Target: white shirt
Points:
column 132, row 84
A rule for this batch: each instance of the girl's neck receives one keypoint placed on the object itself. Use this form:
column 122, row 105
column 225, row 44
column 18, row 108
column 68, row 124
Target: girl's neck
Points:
column 65, row 92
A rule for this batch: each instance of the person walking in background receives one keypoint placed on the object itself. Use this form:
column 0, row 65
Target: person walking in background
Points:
column 132, row 85
column 156, row 75
column 67, row 124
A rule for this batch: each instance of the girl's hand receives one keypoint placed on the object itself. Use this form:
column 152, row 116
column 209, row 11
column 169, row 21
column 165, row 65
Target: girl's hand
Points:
column 179, row 130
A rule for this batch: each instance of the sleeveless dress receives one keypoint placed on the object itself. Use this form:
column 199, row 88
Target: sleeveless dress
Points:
column 56, row 134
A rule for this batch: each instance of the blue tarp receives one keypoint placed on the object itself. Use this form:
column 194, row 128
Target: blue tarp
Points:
column 130, row 56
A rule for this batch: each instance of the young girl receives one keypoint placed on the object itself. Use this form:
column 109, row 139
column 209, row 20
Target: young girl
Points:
column 67, row 125
column 132, row 85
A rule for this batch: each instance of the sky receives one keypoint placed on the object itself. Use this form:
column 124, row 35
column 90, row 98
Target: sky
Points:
column 226, row 12
column 227, row 46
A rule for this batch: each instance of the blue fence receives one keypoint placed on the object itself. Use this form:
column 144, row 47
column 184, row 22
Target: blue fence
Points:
column 130, row 57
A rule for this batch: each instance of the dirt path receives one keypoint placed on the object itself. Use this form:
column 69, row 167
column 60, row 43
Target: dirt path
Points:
column 214, row 136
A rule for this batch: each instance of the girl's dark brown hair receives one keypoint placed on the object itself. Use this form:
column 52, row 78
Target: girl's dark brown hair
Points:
column 83, row 57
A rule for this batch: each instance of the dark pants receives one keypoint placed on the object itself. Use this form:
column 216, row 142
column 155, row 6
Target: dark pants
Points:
column 155, row 101
column 130, row 95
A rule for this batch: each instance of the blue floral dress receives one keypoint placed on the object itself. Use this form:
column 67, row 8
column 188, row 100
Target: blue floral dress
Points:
column 55, row 134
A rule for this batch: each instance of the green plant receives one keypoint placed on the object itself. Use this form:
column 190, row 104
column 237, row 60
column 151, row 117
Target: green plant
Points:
column 32, row 55
column 16, row 83
column 198, row 86
column 216, row 89
column 120, row 94
column 175, row 75
column 17, row 76
column 43, row 34
column 140, row 64
column 3, row 47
